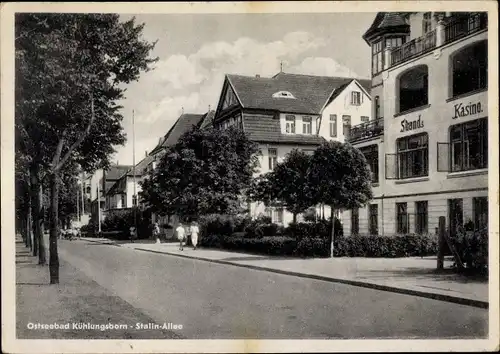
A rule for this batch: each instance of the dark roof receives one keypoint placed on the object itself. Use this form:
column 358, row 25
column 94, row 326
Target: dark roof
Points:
column 118, row 187
column 310, row 92
column 207, row 119
column 387, row 21
column 183, row 124
column 140, row 168
column 267, row 129
column 116, row 171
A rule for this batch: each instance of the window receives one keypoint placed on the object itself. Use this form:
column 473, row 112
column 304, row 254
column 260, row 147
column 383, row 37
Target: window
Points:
column 470, row 69
column 413, row 88
column 401, row 218
column 421, row 218
column 371, row 156
column 333, row 125
column 377, row 107
column 283, row 94
column 123, row 200
column 469, row 145
column 308, row 151
column 346, row 121
column 134, row 200
column 413, row 156
column 373, row 219
column 290, row 124
column 394, row 42
column 427, row 22
column 273, row 158
column 356, row 98
column 306, row 125
column 355, row 221
column 278, row 215
column 365, row 119
column 377, row 57
column 480, row 205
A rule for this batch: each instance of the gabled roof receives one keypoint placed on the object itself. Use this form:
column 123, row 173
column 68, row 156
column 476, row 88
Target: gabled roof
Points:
column 207, row 120
column 116, row 171
column 140, row 168
column 310, row 92
column 183, row 124
column 267, row 129
column 387, row 22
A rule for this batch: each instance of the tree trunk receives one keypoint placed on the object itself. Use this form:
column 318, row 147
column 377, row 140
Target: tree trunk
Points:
column 294, row 218
column 37, row 212
column 332, row 211
column 54, row 229
column 31, row 215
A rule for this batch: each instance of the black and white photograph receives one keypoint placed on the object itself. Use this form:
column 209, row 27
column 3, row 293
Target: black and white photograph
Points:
column 250, row 177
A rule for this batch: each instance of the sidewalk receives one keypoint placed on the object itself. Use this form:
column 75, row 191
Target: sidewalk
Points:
column 76, row 300
column 413, row 276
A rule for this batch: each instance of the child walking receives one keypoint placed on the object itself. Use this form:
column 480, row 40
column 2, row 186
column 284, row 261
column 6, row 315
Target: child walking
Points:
column 181, row 234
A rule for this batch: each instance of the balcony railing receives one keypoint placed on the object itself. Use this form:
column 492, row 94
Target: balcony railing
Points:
column 414, row 48
column 366, row 130
column 463, row 26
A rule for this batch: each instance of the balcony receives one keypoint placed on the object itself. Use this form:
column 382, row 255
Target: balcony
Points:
column 414, row 48
column 463, row 26
column 366, row 130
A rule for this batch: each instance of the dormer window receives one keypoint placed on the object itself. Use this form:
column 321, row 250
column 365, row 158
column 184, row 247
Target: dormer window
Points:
column 290, row 124
column 283, row 94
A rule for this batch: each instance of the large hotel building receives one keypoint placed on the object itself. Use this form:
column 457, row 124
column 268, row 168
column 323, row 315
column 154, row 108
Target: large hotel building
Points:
column 427, row 143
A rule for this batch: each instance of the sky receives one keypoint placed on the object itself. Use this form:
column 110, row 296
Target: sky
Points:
column 195, row 51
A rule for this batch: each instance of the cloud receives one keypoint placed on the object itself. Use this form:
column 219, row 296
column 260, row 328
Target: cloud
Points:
column 322, row 66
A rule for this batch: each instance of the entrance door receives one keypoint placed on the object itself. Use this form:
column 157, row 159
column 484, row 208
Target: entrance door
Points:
column 455, row 216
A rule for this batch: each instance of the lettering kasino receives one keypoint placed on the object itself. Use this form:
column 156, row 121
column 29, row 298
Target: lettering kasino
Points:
column 462, row 110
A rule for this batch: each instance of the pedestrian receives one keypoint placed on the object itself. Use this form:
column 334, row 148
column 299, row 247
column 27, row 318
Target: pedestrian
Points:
column 181, row 235
column 132, row 234
column 156, row 232
column 195, row 231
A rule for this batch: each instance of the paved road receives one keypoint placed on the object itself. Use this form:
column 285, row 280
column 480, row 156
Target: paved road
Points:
column 214, row 301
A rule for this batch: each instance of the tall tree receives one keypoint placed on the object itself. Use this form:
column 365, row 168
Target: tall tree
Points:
column 290, row 183
column 341, row 178
column 206, row 172
column 70, row 74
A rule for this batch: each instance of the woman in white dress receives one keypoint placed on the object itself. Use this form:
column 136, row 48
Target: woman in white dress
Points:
column 195, row 231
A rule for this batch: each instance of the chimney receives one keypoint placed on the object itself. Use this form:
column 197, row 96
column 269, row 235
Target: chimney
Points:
column 208, row 108
column 257, row 76
column 146, row 153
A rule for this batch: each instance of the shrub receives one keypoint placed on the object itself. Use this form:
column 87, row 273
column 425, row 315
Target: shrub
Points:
column 276, row 245
column 122, row 219
column 472, row 248
column 385, row 246
column 312, row 247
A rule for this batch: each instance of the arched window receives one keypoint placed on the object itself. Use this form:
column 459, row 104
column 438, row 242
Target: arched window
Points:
column 470, row 68
column 414, row 88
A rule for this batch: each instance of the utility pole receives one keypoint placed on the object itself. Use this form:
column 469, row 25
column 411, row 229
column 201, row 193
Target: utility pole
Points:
column 98, row 206
column 134, row 198
column 77, row 203
column 83, row 193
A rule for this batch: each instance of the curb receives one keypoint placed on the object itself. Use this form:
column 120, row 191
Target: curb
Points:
column 428, row 295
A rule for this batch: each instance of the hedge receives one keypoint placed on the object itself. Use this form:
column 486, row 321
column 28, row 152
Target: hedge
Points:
column 359, row 246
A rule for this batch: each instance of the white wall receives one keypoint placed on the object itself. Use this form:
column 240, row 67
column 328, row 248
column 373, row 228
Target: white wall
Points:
column 340, row 106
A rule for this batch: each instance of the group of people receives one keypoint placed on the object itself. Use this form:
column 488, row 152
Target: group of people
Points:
column 182, row 233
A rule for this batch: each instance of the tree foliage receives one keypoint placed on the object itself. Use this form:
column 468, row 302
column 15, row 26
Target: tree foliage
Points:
column 341, row 176
column 287, row 185
column 206, row 172
column 70, row 74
